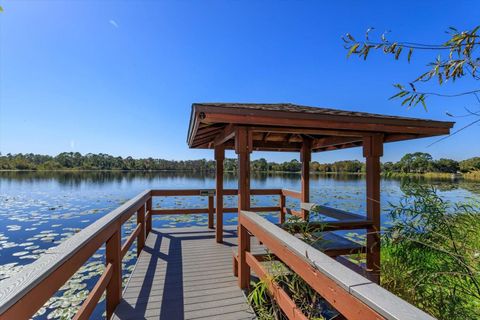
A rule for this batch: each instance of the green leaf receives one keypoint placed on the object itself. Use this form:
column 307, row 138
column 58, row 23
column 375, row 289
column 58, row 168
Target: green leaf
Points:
column 397, row 54
column 352, row 49
column 410, row 54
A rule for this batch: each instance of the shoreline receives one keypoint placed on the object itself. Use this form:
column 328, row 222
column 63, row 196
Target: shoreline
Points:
column 470, row 176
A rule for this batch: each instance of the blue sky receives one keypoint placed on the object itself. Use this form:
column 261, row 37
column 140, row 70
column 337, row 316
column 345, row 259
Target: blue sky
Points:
column 119, row 77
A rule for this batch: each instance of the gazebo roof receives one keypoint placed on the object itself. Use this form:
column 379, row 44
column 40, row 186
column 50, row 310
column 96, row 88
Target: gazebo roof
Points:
column 283, row 126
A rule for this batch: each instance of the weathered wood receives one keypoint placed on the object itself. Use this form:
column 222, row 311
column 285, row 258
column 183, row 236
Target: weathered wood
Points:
column 91, row 302
column 351, row 294
column 372, row 151
column 114, row 258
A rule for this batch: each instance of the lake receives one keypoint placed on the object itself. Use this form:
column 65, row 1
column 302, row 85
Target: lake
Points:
column 38, row 210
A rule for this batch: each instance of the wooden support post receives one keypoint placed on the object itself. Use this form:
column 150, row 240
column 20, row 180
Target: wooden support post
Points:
column 372, row 151
column 219, row 157
column 243, row 148
column 282, row 208
column 305, row 158
column 141, row 235
column 114, row 287
column 149, row 219
column 211, row 210
column 243, row 248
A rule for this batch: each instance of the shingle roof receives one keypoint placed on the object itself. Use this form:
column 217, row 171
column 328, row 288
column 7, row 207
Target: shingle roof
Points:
column 208, row 120
column 295, row 108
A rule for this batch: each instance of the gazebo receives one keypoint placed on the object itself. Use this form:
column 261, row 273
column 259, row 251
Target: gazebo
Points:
column 248, row 127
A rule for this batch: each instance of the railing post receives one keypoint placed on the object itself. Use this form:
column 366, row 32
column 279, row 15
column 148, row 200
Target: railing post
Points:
column 210, row 211
column 282, row 208
column 219, row 157
column 114, row 287
column 149, row 216
column 243, row 247
column 305, row 158
column 372, row 151
column 141, row 235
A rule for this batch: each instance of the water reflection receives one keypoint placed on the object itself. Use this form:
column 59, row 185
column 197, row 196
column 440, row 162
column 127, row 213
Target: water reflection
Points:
column 189, row 179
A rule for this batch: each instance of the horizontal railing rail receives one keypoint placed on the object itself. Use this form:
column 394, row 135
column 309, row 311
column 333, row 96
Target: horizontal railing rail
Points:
column 354, row 296
column 210, row 193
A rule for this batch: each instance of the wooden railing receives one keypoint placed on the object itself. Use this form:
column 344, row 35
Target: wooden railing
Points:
column 24, row 293
column 210, row 193
column 352, row 295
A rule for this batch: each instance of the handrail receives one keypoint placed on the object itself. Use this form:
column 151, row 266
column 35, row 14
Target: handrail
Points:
column 24, row 293
column 210, row 193
column 331, row 212
column 354, row 296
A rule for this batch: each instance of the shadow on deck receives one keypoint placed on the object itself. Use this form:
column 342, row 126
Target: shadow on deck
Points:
column 182, row 273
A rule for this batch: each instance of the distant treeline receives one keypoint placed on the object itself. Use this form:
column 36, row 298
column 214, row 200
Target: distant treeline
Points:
column 418, row 162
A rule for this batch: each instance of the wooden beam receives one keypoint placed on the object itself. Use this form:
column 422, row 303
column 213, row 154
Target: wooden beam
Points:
column 227, row 134
column 276, row 146
column 310, row 131
column 333, row 141
column 372, row 151
column 219, row 157
column 310, row 121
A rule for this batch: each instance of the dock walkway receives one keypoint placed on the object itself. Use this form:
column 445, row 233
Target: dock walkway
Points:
column 182, row 273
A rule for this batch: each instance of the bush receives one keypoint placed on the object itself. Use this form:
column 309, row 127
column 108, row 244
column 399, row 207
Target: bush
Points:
column 431, row 254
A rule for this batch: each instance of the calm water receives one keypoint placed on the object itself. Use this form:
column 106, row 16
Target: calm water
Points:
column 39, row 210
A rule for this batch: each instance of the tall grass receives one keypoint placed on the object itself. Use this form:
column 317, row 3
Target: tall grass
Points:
column 472, row 175
column 431, row 254
column 430, row 258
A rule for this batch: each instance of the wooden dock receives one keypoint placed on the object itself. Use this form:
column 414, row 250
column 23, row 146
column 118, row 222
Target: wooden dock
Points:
column 182, row 273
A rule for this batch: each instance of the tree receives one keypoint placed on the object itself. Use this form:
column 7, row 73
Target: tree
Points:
column 456, row 58
column 471, row 164
column 418, row 162
column 446, row 165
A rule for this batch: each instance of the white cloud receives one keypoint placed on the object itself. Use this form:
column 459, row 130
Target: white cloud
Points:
column 113, row 23
column 72, row 144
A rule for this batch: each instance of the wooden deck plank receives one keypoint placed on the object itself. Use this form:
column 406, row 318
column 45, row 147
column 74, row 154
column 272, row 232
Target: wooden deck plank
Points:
column 182, row 273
